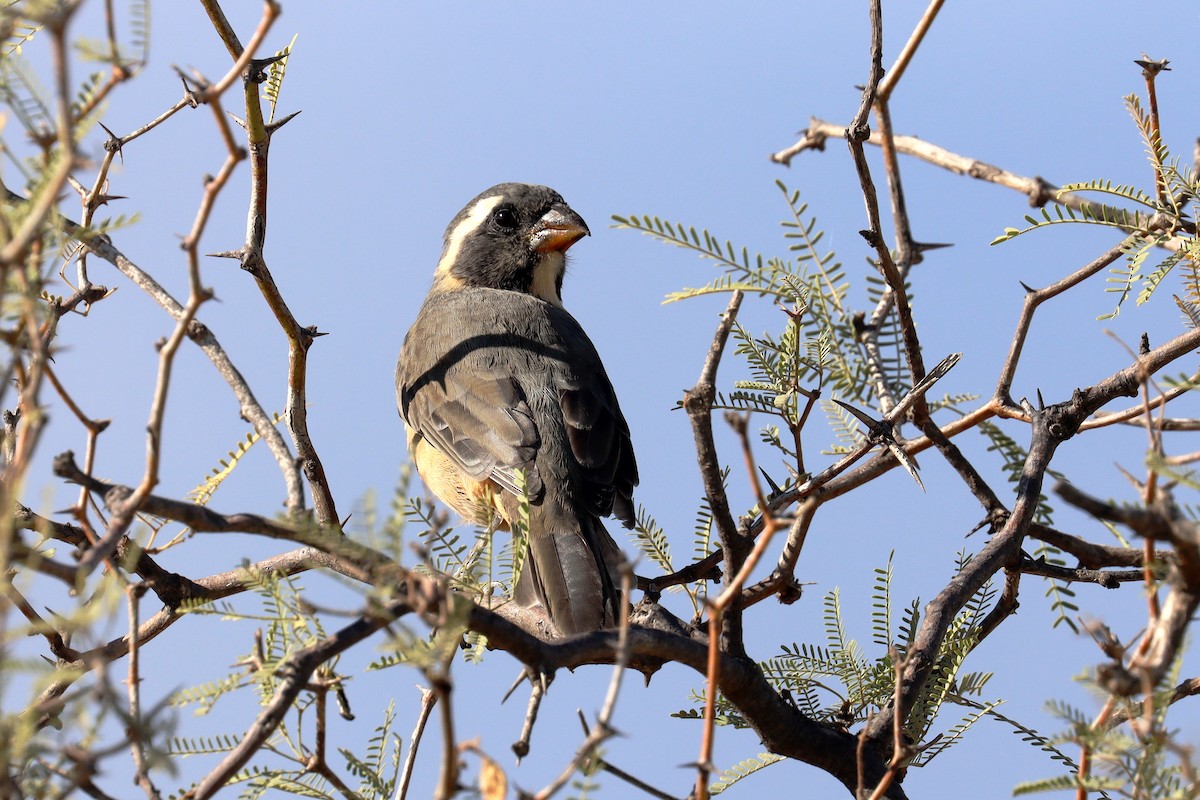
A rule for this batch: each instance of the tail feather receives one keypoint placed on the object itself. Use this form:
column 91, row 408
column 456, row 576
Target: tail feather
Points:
column 572, row 574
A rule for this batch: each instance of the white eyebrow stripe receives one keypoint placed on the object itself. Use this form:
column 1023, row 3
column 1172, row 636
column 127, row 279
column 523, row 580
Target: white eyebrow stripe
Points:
column 474, row 218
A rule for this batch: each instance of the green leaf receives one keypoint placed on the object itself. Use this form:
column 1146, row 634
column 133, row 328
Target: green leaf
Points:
column 741, row 770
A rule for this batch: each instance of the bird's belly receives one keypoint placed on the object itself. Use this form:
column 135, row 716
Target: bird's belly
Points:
column 475, row 501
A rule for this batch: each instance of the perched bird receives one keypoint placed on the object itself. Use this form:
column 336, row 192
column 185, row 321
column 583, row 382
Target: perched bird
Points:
column 495, row 377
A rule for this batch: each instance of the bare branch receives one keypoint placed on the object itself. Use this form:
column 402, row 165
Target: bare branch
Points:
column 1037, row 189
column 428, row 701
column 603, row 729
column 295, row 674
column 893, row 76
column 134, row 681
column 698, row 402
column 250, row 408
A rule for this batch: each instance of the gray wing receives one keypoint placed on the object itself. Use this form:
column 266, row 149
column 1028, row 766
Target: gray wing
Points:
column 599, row 440
column 473, row 401
column 596, row 429
column 480, row 420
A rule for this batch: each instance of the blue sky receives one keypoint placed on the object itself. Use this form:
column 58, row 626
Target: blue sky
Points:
column 409, row 110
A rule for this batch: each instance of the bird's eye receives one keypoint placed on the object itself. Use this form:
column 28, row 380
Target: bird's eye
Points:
column 505, row 217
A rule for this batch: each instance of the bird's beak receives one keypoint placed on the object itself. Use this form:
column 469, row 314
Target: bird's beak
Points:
column 558, row 229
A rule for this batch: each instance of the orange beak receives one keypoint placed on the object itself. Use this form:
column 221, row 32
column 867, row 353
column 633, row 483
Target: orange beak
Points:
column 558, row 229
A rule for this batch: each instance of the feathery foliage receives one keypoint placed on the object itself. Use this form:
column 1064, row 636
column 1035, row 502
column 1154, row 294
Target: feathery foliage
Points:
column 839, row 683
column 1163, row 223
column 1133, row 759
column 284, row 624
column 201, row 494
column 818, row 343
column 742, row 769
column 379, row 768
column 817, row 351
column 275, row 74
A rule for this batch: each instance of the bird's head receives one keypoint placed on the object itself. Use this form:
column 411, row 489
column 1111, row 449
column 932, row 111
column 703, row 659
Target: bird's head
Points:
column 513, row 236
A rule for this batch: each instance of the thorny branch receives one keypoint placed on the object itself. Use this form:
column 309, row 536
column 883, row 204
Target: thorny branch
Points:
column 718, row 608
column 296, row 673
column 103, row 247
column 777, row 721
column 1037, row 189
column 428, row 701
column 1050, row 427
column 698, row 402
column 252, row 258
column 134, row 681
column 1162, row 520
column 871, row 760
column 603, row 728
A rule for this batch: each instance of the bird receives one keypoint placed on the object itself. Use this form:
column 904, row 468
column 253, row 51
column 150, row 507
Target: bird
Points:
column 499, row 385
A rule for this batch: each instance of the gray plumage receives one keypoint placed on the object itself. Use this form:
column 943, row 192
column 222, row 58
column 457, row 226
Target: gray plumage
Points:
column 496, row 376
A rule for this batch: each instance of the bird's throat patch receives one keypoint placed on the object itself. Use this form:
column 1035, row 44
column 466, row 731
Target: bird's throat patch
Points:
column 546, row 281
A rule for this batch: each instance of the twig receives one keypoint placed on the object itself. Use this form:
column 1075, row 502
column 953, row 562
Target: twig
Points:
column 1095, row 556
column 1109, row 579
column 187, row 101
column 42, row 206
column 856, row 133
column 901, row 750
column 1131, row 415
column 888, row 84
column 1182, row 691
column 1085, row 750
column 242, row 57
column 37, row 624
column 94, row 429
column 707, row 568
column 722, row 605
column 603, row 729
column 137, row 728
column 1033, row 299
column 1150, row 70
column 907, row 253
column 712, row 677
column 698, row 403
column 299, row 338
column 970, row 476
column 428, row 701
column 634, row 781
column 317, row 763
column 1037, row 189
column 867, row 335
column 439, row 681
column 295, row 673
column 537, row 691
column 1005, row 607
column 1182, row 459
column 782, row 579
column 212, row 188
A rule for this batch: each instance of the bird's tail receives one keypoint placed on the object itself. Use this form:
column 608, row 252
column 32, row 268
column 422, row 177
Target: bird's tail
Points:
column 573, row 572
